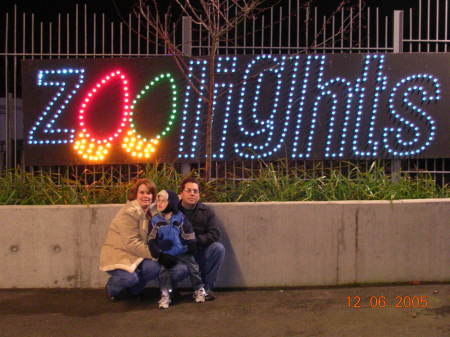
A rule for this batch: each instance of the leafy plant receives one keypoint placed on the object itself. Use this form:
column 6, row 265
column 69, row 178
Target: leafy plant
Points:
column 271, row 182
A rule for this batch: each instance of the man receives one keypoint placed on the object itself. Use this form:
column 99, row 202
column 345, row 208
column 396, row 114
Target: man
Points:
column 210, row 252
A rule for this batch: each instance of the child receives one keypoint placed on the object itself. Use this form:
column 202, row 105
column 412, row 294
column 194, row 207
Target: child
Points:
column 172, row 239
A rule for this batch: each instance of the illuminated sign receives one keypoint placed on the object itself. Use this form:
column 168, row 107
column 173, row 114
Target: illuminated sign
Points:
column 353, row 106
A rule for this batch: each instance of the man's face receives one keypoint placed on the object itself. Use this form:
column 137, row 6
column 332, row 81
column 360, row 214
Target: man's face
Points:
column 190, row 195
column 161, row 203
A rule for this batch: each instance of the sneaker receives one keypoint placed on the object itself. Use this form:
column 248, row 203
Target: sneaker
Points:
column 199, row 295
column 164, row 302
column 210, row 296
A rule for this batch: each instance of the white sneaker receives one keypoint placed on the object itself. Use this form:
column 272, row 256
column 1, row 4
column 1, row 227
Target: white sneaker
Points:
column 199, row 295
column 164, row 302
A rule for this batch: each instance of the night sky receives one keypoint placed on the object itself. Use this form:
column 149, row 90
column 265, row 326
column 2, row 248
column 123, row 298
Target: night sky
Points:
column 116, row 8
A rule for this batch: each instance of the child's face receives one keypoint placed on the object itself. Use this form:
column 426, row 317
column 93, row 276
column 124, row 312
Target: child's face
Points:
column 161, row 203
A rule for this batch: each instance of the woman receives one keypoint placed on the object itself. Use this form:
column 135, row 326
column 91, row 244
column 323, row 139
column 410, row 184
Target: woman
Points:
column 125, row 254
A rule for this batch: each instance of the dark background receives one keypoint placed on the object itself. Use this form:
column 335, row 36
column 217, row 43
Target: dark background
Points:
column 120, row 8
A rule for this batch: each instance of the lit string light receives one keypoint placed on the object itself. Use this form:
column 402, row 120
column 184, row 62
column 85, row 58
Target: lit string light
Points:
column 134, row 143
column 361, row 92
column 47, row 119
column 333, row 115
column 87, row 145
column 411, row 147
column 224, row 65
column 251, row 150
column 320, row 59
column 197, row 104
column 414, row 129
column 223, row 136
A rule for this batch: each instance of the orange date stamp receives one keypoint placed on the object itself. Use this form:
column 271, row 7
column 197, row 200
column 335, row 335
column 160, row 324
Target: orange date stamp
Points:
column 380, row 302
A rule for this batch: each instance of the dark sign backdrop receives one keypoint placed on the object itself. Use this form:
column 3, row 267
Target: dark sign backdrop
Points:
column 354, row 106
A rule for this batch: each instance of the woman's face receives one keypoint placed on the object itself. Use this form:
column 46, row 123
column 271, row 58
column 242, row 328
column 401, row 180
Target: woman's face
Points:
column 143, row 196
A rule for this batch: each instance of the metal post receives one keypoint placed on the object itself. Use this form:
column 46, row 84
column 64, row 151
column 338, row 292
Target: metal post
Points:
column 396, row 164
column 398, row 32
column 10, row 131
column 187, row 51
column 187, row 36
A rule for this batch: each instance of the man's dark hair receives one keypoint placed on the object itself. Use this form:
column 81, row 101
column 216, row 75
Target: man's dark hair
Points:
column 188, row 180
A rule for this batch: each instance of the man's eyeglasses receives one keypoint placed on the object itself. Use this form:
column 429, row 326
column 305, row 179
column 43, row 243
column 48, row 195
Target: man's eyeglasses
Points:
column 191, row 190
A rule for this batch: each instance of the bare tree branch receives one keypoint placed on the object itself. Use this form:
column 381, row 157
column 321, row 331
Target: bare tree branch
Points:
column 217, row 18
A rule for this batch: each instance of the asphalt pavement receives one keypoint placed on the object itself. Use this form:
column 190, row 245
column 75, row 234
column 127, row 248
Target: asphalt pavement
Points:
column 412, row 310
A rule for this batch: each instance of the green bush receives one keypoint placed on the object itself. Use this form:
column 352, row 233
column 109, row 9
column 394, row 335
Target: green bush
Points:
column 269, row 183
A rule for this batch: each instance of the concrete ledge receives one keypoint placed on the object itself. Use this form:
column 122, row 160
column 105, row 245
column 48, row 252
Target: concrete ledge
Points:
column 268, row 244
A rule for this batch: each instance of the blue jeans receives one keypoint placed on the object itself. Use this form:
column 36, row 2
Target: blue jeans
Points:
column 135, row 282
column 209, row 260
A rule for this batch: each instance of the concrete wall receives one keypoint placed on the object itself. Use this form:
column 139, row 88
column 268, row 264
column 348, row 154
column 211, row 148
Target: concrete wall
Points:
column 268, row 244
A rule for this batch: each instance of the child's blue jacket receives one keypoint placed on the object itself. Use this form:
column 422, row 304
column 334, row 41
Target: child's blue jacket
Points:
column 172, row 236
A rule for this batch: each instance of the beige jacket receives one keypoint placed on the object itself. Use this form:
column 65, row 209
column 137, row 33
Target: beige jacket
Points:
column 126, row 241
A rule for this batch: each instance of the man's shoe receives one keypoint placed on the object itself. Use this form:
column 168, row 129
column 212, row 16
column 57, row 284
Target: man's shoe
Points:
column 199, row 295
column 210, row 296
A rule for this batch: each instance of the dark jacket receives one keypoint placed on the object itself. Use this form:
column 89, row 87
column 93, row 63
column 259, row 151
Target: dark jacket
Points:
column 205, row 224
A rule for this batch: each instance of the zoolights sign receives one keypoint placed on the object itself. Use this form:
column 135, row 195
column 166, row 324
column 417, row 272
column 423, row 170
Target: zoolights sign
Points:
column 265, row 106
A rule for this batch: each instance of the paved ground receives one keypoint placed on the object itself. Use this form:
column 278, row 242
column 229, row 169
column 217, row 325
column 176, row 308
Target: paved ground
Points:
column 319, row 312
